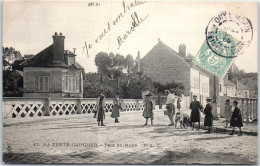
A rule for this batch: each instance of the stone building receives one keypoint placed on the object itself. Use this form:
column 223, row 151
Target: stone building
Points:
column 53, row 72
column 163, row 64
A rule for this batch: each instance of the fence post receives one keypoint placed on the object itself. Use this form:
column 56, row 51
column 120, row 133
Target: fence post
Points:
column 247, row 111
column 242, row 108
column 160, row 102
column 153, row 100
column 47, row 107
column 137, row 105
column 254, row 109
column 123, row 105
column 251, row 108
column 79, row 106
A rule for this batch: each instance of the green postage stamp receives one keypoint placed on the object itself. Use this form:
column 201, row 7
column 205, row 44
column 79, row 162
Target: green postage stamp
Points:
column 212, row 61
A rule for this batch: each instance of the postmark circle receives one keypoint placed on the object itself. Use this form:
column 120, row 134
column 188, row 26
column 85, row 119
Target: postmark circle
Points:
column 228, row 35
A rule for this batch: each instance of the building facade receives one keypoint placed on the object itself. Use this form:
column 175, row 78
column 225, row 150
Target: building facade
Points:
column 251, row 82
column 53, row 73
column 163, row 64
column 227, row 88
column 242, row 90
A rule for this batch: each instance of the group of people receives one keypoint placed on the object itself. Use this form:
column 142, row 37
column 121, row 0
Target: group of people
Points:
column 232, row 114
column 233, row 117
column 101, row 107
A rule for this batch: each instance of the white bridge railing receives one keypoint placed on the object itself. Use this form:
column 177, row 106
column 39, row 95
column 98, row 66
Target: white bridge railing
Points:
column 37, row 107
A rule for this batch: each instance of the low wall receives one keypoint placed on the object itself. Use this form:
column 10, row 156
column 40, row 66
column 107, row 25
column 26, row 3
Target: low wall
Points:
column 37, row 107
column 161, row 100
column 247, row 106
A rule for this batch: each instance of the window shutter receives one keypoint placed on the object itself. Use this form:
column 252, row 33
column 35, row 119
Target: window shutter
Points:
column 46, row 84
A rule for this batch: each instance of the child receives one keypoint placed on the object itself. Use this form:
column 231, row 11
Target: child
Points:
column 236, row 119
column 116, row 109
column 148, row 108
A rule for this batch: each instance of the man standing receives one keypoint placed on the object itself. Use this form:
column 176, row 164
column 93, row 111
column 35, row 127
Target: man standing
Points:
column 170, row 106
column 195, row 107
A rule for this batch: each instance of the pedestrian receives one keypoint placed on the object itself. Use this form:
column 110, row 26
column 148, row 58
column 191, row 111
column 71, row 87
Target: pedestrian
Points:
column 228, row 112
column 170, row 106
column 208, row 121
column 195, row 107
column 179, row 104
column 236, row 119
column 148, row 108
column 100, row 111
column 116, row 109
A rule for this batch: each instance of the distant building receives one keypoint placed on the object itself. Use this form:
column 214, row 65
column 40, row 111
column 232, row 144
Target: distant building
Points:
column 53, row 72
column 250, row 80
column 226, row 87
column 242, row 90
column 28, row 56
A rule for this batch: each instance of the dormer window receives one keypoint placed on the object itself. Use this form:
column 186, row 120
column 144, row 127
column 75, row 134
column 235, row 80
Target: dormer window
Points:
column 71, row 60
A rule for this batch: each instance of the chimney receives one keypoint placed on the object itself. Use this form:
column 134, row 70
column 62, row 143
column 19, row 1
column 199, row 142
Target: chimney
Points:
column 74, row 50
column 138, row 61
column 58, row 48
column 182, row 50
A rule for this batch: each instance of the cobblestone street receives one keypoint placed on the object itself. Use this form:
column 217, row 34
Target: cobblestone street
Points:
column 78, row 139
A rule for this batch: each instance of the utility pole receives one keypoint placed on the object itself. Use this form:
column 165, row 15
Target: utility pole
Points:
column 214, row 99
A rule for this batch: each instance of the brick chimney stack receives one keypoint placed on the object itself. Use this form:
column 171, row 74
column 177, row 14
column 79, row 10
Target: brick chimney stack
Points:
column 182, row 50
column 58, row 48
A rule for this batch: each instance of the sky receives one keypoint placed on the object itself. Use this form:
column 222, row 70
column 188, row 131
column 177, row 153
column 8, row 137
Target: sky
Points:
column 28, row 26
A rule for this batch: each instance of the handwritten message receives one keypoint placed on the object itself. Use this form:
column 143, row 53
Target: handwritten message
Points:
column 136, row 20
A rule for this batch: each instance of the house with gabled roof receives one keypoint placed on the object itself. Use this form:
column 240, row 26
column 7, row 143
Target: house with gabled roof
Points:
column 53, row 72
column 163, row 64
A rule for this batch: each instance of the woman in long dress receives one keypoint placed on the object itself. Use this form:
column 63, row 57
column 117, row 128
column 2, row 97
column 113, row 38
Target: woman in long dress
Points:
column 116, row 109
column 228, row 112
column 100, row 112
column 208, row 121
column 195, row 107
column 148, row 108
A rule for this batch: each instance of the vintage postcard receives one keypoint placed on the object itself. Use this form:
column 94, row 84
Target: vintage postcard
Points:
column 129, row 82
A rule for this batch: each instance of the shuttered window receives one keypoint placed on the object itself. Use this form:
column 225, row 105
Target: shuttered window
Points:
column 72, row 84
column 43, row 83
